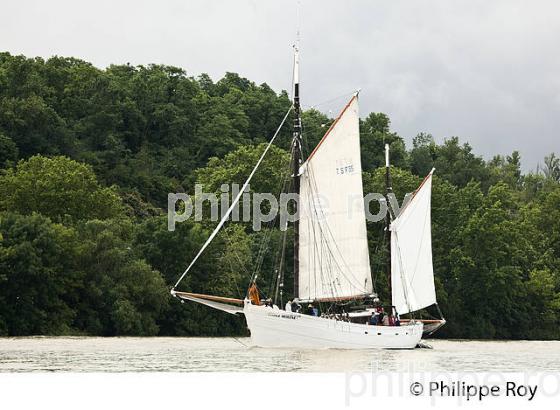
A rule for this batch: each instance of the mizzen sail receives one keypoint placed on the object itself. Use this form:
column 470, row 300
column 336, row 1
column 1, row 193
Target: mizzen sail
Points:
column 333, row 250
column 412, row 272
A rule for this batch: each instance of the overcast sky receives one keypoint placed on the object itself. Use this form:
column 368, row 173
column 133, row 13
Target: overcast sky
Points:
column 486, row 71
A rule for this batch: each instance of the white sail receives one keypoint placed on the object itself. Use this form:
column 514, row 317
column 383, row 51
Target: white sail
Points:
column 333, row 251
column 412, row 272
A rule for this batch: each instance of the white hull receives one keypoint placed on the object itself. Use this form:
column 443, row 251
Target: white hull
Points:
column 277, row 328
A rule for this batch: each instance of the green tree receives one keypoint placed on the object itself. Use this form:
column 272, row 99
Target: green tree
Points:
column 492, row 266
column 506, row 169
column 122, row 294
column 315, row 125
column 57, row 187
column 422, row 154
column 374, row 134
column 551, row 168
column 39, row 280
column 223, row 269
column 236, row 166
column 8, row 151
column 34, row 126
column 458, row 164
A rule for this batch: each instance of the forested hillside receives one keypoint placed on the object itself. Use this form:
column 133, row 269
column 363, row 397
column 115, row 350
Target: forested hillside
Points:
column 88, row 156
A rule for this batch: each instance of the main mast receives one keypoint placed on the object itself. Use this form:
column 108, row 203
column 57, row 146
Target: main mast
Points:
column 296, row 163
column 388, row 190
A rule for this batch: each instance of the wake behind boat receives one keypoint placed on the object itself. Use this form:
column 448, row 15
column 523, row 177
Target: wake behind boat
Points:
column 334, row 302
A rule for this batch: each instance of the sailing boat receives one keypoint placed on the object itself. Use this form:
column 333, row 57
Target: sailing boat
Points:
column 331, row 257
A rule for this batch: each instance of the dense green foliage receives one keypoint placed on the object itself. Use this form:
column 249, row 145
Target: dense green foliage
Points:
column 88, row 156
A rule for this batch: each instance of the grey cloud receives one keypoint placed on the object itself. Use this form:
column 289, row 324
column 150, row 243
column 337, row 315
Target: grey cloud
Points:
column 485, row 71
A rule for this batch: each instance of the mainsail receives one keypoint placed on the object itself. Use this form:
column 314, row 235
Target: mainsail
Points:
column 412, row 272
column 333, row 251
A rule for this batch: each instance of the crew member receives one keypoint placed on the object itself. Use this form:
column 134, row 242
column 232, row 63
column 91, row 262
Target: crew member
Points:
column 254, row 294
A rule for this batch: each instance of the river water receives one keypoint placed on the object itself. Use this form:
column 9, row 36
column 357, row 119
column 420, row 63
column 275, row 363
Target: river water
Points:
column 129, row 354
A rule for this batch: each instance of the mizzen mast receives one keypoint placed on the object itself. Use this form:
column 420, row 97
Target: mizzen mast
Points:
column 388, row 190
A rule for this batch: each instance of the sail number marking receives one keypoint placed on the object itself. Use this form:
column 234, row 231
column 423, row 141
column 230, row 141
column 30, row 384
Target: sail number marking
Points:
column 347, row 169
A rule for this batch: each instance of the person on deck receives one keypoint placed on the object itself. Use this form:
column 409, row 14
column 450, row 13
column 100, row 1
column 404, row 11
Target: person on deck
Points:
column 374, row 318
column 386, row 320
column 380, row 319
column 289, row 306
column 254, row 294
column 313, row 311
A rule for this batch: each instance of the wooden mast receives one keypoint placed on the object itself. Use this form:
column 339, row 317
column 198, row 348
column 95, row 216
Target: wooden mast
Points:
column 296, row 163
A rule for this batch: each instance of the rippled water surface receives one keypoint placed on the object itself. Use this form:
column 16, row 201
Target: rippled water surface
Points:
column 92, row 354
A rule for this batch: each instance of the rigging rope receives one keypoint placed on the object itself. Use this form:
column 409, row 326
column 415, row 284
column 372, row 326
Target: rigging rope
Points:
column 268, row 230
column 234, row 202
column 339, row 97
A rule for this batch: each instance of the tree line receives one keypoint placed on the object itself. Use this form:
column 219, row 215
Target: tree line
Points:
column 88, row 156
